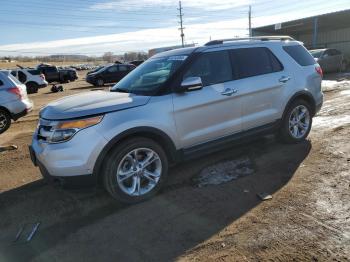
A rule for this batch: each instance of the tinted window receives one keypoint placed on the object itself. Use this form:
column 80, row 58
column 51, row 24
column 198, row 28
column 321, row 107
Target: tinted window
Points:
column 254, row 61
column 123, row 68
column 22, row 77
column 112, row 69
column 213, row 68
column 1, row 83
column 50, row 69
column 13, row 73
column 300, row 55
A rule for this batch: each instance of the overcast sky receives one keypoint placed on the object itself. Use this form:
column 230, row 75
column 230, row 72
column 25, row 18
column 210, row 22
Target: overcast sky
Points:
column 40, row 27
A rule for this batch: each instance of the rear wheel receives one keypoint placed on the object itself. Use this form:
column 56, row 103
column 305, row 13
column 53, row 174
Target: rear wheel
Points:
column 135, row 170
column 32, row 87
column 297, row 122
column 5, row 121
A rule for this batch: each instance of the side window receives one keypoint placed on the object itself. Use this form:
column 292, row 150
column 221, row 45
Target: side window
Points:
column 336, row 52
column 213, row 68
column 22, row 77
column 300, row 55
column 123, row 68
column 1, row 83
column 13, row 73
column 112, row 69
column 255, row 61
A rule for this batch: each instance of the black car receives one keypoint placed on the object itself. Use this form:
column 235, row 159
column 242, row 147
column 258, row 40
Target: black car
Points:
column 54, row 74
column 109, row 74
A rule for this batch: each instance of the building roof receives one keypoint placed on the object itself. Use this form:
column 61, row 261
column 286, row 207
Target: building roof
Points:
column 326, row 22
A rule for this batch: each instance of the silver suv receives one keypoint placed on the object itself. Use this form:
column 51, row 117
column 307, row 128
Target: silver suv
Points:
column 14, row 101
column 177, row 105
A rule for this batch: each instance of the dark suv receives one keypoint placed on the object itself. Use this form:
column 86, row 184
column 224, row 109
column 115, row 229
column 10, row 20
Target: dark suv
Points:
column 109, row 74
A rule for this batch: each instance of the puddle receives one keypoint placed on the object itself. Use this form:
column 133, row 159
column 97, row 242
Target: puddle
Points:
column 224, row 172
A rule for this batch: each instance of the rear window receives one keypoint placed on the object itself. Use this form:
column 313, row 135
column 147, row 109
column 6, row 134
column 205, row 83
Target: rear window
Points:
column 14, row 79
column 300, row 55
column 248, row 62
column 34, row 72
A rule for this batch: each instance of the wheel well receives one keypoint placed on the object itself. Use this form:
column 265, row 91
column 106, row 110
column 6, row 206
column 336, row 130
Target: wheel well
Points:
column 306, row 97
column 6, row 110
column 157, row 136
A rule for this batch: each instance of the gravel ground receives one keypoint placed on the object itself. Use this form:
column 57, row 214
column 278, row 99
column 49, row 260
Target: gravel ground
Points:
column 208, row 211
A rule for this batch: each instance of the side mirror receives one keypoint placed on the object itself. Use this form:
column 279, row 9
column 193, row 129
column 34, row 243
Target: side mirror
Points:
column 191, row 84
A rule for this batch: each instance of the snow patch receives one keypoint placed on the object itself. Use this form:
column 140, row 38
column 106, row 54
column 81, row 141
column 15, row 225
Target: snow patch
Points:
column 329, row 122
column 224, row 172
column 330, row 85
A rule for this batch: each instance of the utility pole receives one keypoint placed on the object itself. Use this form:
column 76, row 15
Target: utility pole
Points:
column 181, row 24
column 250, row 20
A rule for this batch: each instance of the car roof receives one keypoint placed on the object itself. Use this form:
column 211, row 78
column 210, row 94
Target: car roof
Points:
column 176, row 52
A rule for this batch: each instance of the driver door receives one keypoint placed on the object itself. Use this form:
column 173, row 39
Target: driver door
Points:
column 212, row 112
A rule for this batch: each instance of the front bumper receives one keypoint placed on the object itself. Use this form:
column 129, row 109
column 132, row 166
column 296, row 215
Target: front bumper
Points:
column 75, row 157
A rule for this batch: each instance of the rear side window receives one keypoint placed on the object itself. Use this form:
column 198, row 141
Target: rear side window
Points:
column 213, row 68
column 300, row 55
column 248, row 62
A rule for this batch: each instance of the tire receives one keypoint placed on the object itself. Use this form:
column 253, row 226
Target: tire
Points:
column 5, row 120
column 32, row 87
column 292, row 130
column 124, row 187
column 100, row 82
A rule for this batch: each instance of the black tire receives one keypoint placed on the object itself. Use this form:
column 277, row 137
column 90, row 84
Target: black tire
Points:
column 5, row 120
column 113, row 160
column 100, row 82
column 285, row 132
column 32, row 87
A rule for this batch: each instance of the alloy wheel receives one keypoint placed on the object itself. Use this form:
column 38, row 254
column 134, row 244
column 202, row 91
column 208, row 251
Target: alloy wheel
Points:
column 139, row 171
column 299, row 121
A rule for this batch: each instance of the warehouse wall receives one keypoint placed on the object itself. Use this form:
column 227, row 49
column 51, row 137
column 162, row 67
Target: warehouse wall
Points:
column 339, row 39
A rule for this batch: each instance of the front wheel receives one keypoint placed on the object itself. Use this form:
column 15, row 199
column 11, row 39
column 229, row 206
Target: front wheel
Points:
column 297, row 122
column 5, row 121
column 135, row 170
column 32, row 88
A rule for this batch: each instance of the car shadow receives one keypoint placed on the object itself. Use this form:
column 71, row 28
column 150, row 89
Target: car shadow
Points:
column 89, row 226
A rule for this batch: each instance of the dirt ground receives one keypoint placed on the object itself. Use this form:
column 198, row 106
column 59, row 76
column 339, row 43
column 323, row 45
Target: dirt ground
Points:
column 307, row 219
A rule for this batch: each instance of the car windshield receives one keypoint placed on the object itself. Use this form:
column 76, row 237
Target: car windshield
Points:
column 316, row 53
column 150, row 75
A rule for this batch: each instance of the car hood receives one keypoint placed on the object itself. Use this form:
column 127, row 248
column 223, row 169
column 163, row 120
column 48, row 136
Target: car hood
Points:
column 92, row 103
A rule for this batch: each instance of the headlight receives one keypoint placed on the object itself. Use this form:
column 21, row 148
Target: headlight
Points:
column 64, row 130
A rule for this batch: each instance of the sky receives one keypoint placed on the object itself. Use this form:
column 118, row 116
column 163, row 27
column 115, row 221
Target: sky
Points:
column 92, row 27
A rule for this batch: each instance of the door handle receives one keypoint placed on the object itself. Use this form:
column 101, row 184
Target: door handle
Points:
column 284, row 79
column 229, row 92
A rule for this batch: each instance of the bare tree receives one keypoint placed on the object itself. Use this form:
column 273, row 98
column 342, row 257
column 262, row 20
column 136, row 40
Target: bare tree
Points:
column 108, row 56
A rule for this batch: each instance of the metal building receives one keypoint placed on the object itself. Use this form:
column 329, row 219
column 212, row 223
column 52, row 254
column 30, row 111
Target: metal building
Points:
column 330, row 30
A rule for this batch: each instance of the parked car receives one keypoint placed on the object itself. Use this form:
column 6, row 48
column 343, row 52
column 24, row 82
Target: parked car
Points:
column 32, row 78
column 109, row 74
column 330, row 60
column 14, row 102
column 178, row 105
column 54, row 74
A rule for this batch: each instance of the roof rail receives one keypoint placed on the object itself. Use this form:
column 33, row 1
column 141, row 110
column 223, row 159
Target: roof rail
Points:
column 256, row 38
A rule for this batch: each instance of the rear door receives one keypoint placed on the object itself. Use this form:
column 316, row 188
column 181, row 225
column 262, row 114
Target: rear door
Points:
column 260, row 80
column 123, row 70
column 110, row 75
column 212, row 112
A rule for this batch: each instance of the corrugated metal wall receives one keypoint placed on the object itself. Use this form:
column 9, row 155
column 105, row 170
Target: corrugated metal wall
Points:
column 339, row 39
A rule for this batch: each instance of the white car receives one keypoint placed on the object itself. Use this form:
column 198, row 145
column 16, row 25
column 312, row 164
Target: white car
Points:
column 32, row 78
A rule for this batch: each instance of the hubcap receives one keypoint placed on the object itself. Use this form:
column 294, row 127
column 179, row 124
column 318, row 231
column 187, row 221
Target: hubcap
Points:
column 3, row 121
column 139, row 171
column 299, row 121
